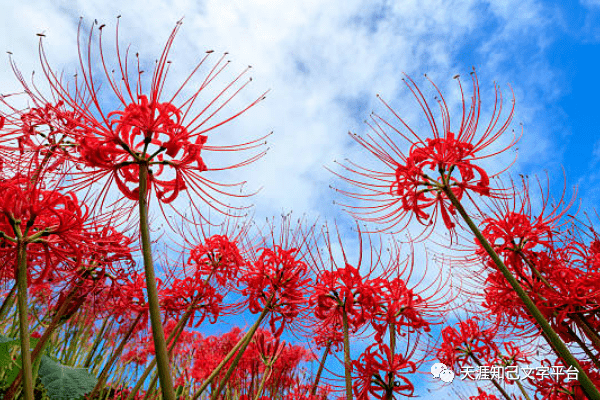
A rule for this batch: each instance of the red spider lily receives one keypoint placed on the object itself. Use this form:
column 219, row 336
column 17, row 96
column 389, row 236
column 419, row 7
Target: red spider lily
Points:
column 188, row 292
column 40, row 128
column 165, row 133
column 412, row 184
column 563, row 292
column 398, row 306
column 343, row 286
column 483, row 395
column 343, row 290
column 121, row 394
column 325, row 332
column 209, row 351
column 382, row 374
column 406, row 308
column 268, row 348
column 128, row 299
column 344, row 295
column 278, row 280
column 502, row 302
column 111, row 249
column 578, row 283
column 512, row 355
column 141, row 349
column 300, row 392
column 469, row 341
column 217, row 258
column 546, row 262
column 105, row 266
column 245, row 397
column 52, row 223
column 515, row 232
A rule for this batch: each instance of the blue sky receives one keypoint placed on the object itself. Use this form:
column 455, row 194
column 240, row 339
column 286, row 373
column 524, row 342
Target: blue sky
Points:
column 325, row 62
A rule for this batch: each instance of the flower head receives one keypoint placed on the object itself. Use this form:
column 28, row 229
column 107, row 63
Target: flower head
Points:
column 416, row 183
column 277, row 279
column 470, row 340
column 382, row 374
column 121, row 127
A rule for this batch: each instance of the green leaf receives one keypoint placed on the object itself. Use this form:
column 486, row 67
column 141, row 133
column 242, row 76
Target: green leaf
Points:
column 5, row 346
column 63, row 382
column 11, row 367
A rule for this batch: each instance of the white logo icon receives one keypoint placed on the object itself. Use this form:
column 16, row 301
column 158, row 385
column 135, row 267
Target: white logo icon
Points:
column 441, row 371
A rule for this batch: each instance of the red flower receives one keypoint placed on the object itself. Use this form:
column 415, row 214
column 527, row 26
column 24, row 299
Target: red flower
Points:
column 166, row 133
column 280, row 275
column 399, row 305
column 380, row 374
column 219, row 258
column 345, row 286
column 553, row 381
column 516, row 232
column 413, row 183
column 181, row 294
column 52, row 224
column 343, row 289
column 469, row 340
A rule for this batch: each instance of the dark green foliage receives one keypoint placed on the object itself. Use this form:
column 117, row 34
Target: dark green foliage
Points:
column 63, row 382
column 60, row 382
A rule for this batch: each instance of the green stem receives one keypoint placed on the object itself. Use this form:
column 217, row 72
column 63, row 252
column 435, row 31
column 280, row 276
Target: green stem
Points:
column 522, row 389
column 228, row 357
column 245, row 341
column 151, row 386
column 158, row 334
column 116, row 354
column 589, row 332
column 24, row 321
column 584, row 347
column 347, row 360
column 54, row 323
column 313, row 390
column 390, row 383
column 172, row 340
column 99, row 337
column 586, row 383
column 266, row 375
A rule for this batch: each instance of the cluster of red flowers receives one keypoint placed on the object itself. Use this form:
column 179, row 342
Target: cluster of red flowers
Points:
column 73, row 260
